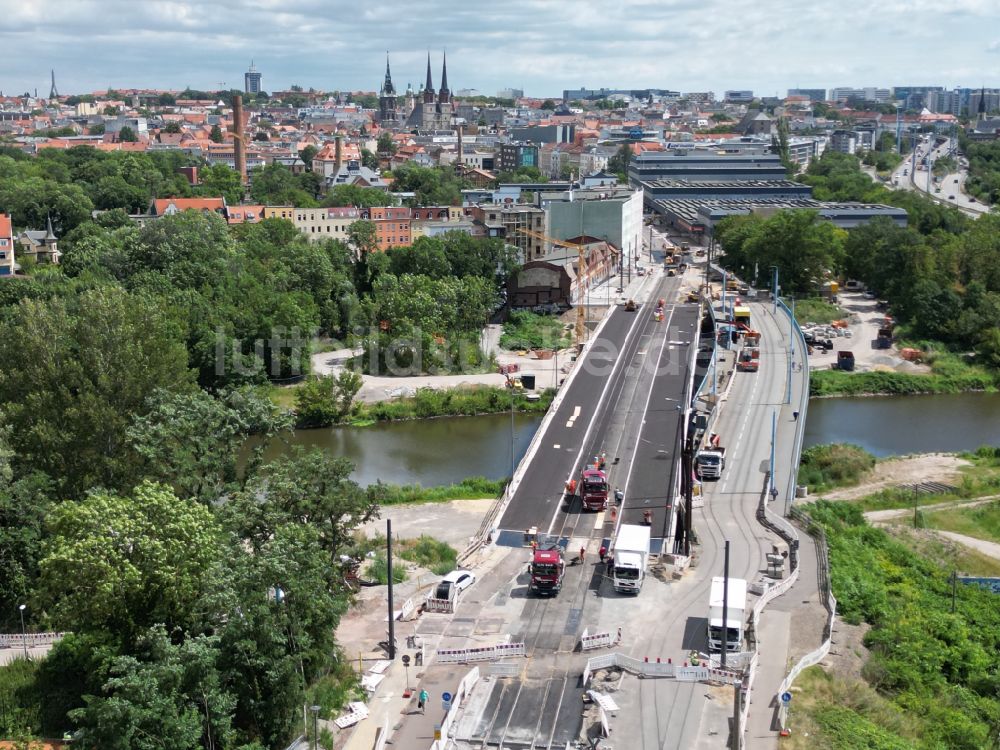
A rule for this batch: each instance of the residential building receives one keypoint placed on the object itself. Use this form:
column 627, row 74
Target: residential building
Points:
column 435, row 227
column 251, row 80
column 560, row 133
column 7, row 263
column 914, row 97
column 510, row 93
column 40, row 245
column 866, row 94
column 513, row 156
column 813, row 95
column 392, row 225
column 170, row 206
column 845, row 141
column 317, row 223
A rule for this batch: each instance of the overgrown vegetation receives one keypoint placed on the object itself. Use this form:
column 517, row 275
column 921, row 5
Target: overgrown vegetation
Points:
column 824, row 467
column 470, row 488
column 840, row 383
column 984, row 169
column 816, row 310
column 935, row 665
column 430, row 402
column 427, row 552
column 526, row 330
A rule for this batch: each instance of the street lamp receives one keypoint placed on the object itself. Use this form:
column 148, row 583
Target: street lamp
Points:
column 24, row 637
column 315, row 713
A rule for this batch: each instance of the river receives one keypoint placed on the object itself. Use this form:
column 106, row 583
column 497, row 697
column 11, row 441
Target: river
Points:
column 428, row 452
column 433, row 452
column 898, row 425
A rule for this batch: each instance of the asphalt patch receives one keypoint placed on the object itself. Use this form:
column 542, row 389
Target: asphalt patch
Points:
column 573, row 622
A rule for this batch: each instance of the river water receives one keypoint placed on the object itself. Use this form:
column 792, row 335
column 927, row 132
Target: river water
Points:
column 428, row 452
column 897, row 425
column 433, row 452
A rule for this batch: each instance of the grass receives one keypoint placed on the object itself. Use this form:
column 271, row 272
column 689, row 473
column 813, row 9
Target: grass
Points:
column 825, row 467
column 526, row 330
column 463, row 401
column 838, row 383
column 830, row 712
column 336, row 689
column 377, row 569
column 427, row 552
column 470, row 488
column 947, row 554
column 816, row 310
column 981, row 521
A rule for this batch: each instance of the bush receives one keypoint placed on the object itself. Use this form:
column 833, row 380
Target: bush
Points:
column 470, row 488
column 378, row 571
column 837, row 465
column 438, row 557
column 525, row 330
column 451, row 402
column 839, row 383
column 816, row 310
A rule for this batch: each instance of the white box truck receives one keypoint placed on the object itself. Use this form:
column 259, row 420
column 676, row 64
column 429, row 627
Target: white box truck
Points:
column 736, row 614
column 631, row 552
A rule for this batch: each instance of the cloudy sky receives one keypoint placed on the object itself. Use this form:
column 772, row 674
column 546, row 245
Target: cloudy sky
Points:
column 542, row 46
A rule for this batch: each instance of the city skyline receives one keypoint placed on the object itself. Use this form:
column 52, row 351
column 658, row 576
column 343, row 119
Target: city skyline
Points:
column 529, row 44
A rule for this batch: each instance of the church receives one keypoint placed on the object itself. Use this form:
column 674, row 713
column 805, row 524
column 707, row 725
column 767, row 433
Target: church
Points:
column 432, row 112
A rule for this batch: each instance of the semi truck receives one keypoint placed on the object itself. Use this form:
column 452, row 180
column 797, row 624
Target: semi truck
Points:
column 593, row 489
column 631, row 553
column 547, row 570
column 734, row 616
column 710, row 462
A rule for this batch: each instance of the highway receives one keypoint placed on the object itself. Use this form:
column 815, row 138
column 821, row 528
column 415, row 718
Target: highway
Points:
column 952, row 186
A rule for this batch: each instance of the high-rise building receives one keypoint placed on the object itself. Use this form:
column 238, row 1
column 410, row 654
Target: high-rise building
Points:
column 251, row 80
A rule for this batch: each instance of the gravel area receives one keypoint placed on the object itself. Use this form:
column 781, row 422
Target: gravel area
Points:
column 928, row 467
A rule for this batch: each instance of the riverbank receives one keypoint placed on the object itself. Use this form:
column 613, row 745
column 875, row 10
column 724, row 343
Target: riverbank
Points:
column 835, row 383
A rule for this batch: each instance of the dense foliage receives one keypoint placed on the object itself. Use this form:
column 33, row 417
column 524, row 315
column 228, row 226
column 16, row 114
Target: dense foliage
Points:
column 984, row 170
column 938, row 665
column 837, row 465
column 202, row 587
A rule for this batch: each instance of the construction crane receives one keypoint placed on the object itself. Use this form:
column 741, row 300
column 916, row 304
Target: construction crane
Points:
column 581, row 322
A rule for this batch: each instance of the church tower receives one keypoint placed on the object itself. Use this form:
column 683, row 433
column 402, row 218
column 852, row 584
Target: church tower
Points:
column 429, row 84
column 387, row 97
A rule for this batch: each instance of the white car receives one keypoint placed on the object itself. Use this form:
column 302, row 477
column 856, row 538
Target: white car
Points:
column 455, row 582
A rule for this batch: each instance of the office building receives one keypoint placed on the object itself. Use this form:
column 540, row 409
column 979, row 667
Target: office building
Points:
column 738, row 97
column 513, row 156
column 607, row 213
column 251, row 80
column 813, row 95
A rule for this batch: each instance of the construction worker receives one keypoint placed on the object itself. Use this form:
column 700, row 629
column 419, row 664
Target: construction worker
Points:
column 571, row 487
column 602, row 552
column 583, row 552
column 611, row 564
column 619, row 496
column 795, row 416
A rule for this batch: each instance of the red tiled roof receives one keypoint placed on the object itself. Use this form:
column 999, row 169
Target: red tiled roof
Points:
column 160, row 205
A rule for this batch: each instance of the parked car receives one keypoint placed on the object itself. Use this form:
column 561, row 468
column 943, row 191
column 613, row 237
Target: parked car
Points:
column 455, row 582
column 951, row 197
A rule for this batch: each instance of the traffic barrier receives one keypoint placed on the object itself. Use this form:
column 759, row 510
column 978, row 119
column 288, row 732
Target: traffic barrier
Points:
column 691, row 674
column 479, row 653
column 451, row 655
column 445, row 606
column 510, row 649
column 32, row 640
column 598, row 640
column 504, row 669
column 464, row 688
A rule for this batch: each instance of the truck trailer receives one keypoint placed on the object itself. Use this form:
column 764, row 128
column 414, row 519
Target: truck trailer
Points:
column 735, row 615
column 631, row 553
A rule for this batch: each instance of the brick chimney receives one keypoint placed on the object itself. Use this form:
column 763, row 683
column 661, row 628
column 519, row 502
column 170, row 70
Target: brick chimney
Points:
column 239, row 148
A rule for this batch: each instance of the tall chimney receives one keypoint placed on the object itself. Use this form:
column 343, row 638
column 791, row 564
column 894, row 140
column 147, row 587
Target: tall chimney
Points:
column 239, row 149
column 338, row 154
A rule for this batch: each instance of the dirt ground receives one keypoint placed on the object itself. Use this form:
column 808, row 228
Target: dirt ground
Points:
column 453, row 522
column 864, row 321
column 928, row 467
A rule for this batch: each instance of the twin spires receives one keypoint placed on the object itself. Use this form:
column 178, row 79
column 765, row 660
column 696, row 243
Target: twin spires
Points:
column 444, row 96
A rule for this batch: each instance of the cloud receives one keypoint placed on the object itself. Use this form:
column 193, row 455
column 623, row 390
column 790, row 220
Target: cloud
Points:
column 543, row 46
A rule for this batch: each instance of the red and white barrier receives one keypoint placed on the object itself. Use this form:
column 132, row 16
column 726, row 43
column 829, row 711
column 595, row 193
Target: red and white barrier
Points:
column 598, row 640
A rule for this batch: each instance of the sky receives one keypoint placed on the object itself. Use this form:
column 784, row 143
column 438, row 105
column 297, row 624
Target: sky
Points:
column 540, row 46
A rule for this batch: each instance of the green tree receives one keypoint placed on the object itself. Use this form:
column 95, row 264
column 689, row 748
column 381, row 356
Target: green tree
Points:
column 548, row 104
column 73, row 376
column 386, row 144
column 167, row 695
column 96, row 129
column 166, row 99
column 361, row 197
column 307, row 154
column 221, row 180
column 121, row 564
column 618, row 164
column 215, row 134
column 172, row 127
column 193, row 441
column 368, row 159
column 274, row 184
column 127, row 135
column 426, row 256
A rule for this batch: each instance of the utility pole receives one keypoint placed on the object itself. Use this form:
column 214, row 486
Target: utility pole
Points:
column 774, row 430
column 774, row 287
column 737, row 710
column 388, row 568
column 791, row 356
column 725, row 607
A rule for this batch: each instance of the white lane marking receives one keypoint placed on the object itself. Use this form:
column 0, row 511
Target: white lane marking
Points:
column 645, row 410
column 595, row 411
column 569, row 424
column 556, row 446
column 576, row 411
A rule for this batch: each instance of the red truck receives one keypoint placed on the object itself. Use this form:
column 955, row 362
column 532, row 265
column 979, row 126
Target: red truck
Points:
column 547, row 569
column 749, row 360
column 593, row 489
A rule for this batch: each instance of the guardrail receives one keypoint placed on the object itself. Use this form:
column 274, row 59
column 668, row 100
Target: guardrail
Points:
column 803, row 405
column 31, row 640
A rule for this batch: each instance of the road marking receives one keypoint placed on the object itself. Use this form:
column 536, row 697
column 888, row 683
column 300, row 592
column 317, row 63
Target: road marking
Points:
column 569, row 423
column 556, row 446
column 599, row 520
column 572, row 419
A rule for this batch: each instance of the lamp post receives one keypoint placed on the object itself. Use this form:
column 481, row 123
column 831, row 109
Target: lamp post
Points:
column 315, row 713
column 24, row 637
